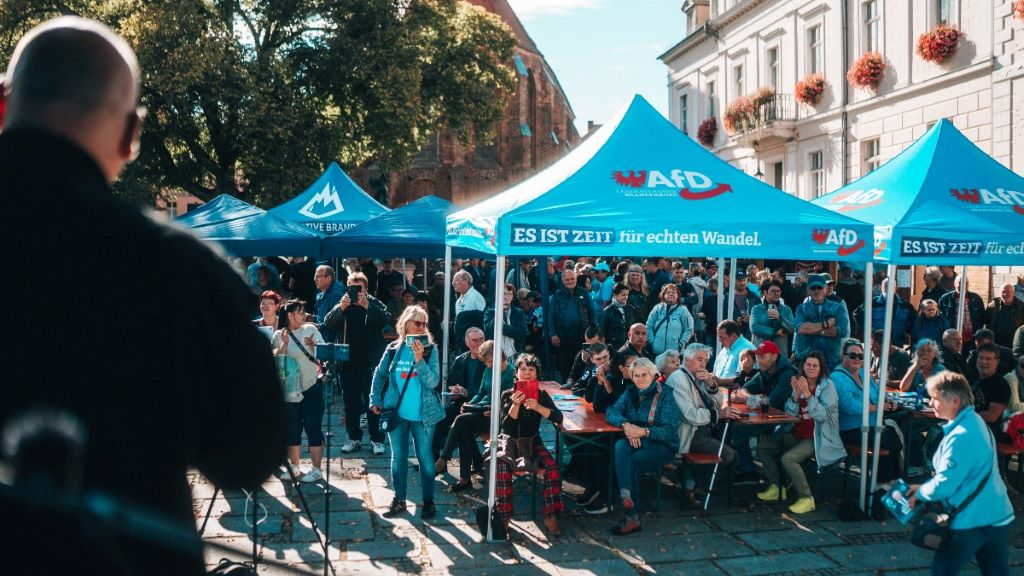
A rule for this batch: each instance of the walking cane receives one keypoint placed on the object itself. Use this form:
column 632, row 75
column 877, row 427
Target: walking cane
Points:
column 714, row 472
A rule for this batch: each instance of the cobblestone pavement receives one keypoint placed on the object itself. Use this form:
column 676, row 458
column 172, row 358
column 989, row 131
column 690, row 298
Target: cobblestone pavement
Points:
column 745, row 539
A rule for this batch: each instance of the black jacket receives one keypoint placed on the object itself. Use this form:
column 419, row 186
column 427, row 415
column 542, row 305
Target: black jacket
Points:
column 362, row 329
column 615, row 323
column 140, row 331
column 466, row 371
column 515, row 328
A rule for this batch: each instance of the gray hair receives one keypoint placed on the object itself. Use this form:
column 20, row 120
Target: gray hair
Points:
column 950, row 385
column 473, row 330
column 645, row 363
column 924, row 343
column 659, row 362
column 949, row 333
column 463, row 275
column 693, row 349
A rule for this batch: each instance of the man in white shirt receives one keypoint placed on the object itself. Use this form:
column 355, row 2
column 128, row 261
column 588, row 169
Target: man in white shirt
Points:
column 469, row 297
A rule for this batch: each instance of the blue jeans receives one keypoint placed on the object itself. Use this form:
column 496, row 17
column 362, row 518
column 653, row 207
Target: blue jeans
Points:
column 989, row 545
column 631, row 462
column 422, row 437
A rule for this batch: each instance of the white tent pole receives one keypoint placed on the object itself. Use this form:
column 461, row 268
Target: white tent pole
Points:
column 963, row 301
column 496, row 370
column 732, row 289
column 883, row 369
column 445, row 323
column 719, row 305
column 869, row 273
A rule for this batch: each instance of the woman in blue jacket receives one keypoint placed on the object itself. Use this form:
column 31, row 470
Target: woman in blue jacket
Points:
column 982, row 529
column 406, row 381
column 669, row 325
column 650, row 420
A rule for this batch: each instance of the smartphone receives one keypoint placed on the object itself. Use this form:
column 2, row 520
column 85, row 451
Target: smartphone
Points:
column 423, row 339
column 353, row 292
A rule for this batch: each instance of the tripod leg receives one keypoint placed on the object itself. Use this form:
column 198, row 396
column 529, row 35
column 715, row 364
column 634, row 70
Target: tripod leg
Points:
column 209, row 510
column 255, row 527
column 297, row 485
column 327, row 502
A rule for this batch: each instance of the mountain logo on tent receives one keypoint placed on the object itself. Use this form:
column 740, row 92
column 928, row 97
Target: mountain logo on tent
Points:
column 323, row 204
column 854, row 200
column 985, row 200
column 845, row 241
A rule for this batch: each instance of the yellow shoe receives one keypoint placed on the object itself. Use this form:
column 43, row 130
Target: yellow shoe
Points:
column 802, row 506
column 772, row 494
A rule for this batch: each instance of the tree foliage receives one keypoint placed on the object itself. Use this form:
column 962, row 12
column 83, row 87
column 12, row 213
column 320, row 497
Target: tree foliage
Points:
column 255, row 97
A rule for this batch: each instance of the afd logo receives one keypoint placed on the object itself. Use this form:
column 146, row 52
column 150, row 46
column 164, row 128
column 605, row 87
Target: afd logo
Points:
column 985, row 200
column 844, row 240
column 324, row 203
column 691, row 185
column 854, row 200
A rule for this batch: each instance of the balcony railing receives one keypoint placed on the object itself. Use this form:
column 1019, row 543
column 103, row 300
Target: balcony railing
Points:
column 772, row 116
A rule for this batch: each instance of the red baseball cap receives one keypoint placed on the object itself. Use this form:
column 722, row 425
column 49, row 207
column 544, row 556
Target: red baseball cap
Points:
column 767, row 347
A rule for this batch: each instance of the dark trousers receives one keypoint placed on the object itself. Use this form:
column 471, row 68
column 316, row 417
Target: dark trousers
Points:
column 451, row 412
column 888, row 466
column 988, row 545
column 463, row 434
column 739, row 439
column 590, row 466
column 355, row 385
column 565, row 354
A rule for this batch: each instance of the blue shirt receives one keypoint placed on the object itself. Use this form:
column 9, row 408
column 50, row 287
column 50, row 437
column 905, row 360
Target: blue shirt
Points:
column 851, row 399
column 411, row 408
column 325, row 301
column 830, row 346
column 727, row 365
column 965, row 456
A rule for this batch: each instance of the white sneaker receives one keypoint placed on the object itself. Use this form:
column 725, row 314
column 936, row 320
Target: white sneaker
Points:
column 351, row 446
column 378, row 448
column 313, row 475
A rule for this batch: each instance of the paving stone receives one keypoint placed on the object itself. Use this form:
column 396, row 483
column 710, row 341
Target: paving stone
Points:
column 656, row 526
column 344, row 526
column 772, row 540
column 608, row 567
column 701, row 568
column 384, row 549
column 298, row 552
column 881, row 556
column 483, row 558
column 861, row 528
column 751, row 522
column 680, row 548
column 561, row 552
column 236, row 525
column 778, row 564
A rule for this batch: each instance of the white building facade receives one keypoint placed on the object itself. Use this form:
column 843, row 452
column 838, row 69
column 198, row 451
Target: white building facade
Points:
column 732, row 48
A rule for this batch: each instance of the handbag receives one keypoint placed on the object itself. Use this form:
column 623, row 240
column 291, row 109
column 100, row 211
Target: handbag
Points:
column 321, row 373
column 932, row 530
column 518, row 450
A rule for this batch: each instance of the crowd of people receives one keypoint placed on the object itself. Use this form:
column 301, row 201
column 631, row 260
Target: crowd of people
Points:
column 620, row 340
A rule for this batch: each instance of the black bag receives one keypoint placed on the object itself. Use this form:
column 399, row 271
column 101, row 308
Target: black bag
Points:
column 468, row 408
column 228, row 568
column 932, row 530
column 518, row 450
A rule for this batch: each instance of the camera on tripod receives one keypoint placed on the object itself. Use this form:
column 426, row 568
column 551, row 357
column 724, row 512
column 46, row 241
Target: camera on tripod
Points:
column 331, row 352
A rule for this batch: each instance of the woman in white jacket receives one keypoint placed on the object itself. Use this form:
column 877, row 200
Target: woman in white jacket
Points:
column 694, row 391
column 670, row 324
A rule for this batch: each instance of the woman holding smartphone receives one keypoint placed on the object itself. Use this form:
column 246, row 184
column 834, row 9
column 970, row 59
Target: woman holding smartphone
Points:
column 523, row 408
column 406, row 382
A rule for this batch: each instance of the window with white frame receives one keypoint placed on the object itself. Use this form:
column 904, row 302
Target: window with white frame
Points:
column 684, row 113
column 871, row 155
column 816, row 173
column 772, row 70
column 872, row 19
column 737, row 81
column 946, row 12
column 712, row 99
column 815, row 50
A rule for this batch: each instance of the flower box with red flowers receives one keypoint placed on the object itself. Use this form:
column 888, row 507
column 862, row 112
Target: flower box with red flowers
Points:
column 867, row 71
column 809, row 90
column 939, row 44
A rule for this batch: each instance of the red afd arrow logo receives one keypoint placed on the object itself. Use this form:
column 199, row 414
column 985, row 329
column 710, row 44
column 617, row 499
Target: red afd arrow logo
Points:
column 1019, row 209
column 716, row 191
column 847, row 250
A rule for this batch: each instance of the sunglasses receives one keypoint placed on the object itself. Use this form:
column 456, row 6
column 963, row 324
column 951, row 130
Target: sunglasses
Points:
column 855, row 356
column 418, row 323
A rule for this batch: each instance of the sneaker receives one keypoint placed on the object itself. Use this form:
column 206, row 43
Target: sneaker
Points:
column 772, row 494
column 597, row 508
column 313, row 475
column 396, row 509
column 378, row 448
column 802, row 506
column 428, row 511
column 588, row 497
column 351, row 446
column 629, row 525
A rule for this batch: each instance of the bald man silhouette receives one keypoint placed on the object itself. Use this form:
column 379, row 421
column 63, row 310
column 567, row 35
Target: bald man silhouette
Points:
column 136, row 328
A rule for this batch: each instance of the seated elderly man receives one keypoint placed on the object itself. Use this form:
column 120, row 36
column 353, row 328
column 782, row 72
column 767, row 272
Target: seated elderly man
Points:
column 981, row 338
column 694, row 389
column 951, row 354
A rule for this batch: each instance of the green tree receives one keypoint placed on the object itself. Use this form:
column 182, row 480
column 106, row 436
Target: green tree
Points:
column 255, row 97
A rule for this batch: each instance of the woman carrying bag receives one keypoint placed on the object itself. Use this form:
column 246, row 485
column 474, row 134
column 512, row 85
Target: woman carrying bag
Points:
column 295, row 345
column 404, row 394
column 967, row 484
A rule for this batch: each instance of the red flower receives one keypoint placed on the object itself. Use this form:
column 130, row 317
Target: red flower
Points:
column 810, row 89
column 867, row 71
column 707, row 131
column 739, row 114
column 939, row 44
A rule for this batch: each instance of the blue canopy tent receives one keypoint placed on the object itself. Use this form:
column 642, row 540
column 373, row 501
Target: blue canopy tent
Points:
column 222, row 208
column 638, row 186
column 942, row 201
column 334, row 203
column 416, row 230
